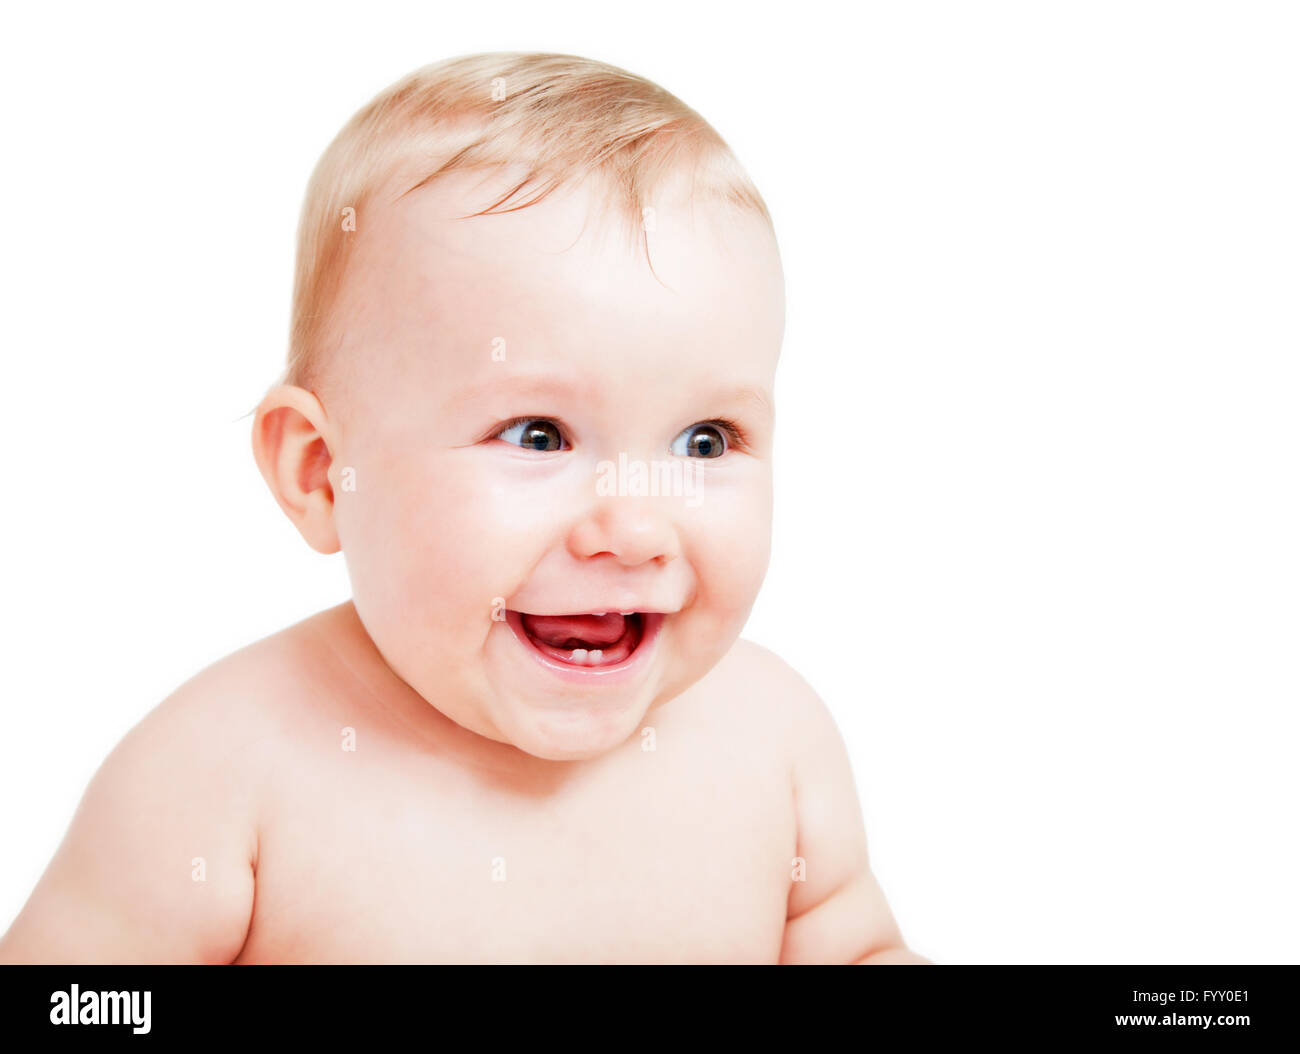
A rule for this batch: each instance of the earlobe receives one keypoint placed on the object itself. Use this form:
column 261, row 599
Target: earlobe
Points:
column 291, row 444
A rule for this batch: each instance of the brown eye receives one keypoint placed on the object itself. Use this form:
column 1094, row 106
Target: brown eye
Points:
column 536, row 434
column 701, row 441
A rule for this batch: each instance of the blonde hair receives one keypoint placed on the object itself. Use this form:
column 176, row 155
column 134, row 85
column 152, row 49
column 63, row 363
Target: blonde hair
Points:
column 561, row 116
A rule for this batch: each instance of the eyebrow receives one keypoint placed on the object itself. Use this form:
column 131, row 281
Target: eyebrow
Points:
column 748, row 395
column 517, row 387
column 547, row 386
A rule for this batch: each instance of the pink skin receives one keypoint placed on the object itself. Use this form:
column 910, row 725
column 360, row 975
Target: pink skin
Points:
column 445, row 518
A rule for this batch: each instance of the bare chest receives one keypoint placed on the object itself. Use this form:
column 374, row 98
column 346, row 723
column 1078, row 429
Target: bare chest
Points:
column 651, row 859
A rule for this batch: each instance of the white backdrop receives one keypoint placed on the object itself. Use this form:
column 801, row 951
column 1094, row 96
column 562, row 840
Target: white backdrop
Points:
column 1037, row 510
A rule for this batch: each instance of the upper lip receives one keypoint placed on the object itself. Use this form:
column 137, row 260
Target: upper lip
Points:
column 603, row 608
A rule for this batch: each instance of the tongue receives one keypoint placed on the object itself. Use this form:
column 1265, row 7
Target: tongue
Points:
column 559, row 630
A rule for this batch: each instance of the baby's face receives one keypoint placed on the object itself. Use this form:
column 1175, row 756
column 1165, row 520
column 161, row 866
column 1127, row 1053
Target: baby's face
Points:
column 514, row 391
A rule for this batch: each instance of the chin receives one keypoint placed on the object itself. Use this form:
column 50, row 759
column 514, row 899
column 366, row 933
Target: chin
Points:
column 576, row 734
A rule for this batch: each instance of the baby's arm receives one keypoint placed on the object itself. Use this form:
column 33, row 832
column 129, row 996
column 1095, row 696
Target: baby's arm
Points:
column 837, row 912
column 124, row 885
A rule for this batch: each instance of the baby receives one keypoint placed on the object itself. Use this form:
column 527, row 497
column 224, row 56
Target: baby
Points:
column 537, row 313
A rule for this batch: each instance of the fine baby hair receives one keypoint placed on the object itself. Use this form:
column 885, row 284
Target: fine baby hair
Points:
column 559, row 117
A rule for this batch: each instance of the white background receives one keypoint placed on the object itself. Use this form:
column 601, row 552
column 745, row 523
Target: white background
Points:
column 1037, row 522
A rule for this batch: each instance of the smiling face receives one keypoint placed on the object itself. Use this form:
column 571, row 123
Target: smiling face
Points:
column 515, row 393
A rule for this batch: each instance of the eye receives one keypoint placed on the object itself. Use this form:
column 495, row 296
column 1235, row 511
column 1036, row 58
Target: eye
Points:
column 532, row 433
column 702, row 440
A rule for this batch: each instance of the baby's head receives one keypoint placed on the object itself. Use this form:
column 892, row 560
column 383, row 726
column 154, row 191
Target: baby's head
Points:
column 537, row 314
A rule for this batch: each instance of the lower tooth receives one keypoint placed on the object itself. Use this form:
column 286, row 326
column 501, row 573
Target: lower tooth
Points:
column 579, row 656
column 594, row 657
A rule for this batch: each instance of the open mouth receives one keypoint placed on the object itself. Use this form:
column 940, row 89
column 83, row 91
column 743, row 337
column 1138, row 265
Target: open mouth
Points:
column 596, row 641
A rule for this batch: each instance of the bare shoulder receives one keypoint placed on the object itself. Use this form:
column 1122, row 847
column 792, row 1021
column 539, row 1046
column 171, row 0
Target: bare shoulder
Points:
column 757, row 681
column 232, row 708
column 836, row 910
column 206, row 740
column 159, row 860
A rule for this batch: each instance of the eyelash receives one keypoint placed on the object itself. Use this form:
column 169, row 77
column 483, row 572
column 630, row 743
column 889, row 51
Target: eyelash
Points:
column 736, row 435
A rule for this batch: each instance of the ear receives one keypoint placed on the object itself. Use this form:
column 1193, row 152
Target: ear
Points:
column 291, row 442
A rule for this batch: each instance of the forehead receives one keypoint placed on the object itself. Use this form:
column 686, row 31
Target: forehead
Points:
column 433, row 301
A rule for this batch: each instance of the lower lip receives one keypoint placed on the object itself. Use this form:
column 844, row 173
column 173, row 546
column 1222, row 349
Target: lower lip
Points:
column 621, row 671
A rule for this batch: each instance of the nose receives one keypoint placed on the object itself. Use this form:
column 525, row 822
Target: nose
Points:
column 634, row 529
